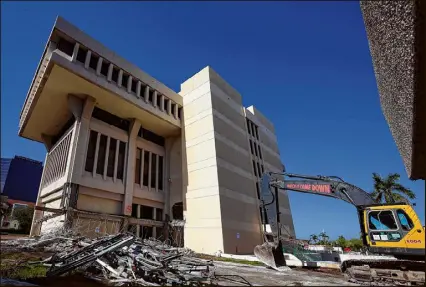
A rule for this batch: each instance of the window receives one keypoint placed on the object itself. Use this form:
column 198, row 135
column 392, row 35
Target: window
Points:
column 260, row 152
column 104, row 68
column 254, row 169
column 101, row 155
column 255, row 148
column 114, row 76
column 111, row 119
column 263, row 170
column 124, row 80
column 251, row 147
column 121, row 157
column 145, row 168
column 258, row 170
column 159, row 100
column 153, row 169
column 133, row 86
column 258, row 190
column 382, row 220
column 150, row 95
column 81, row 55
column 173, row 108
column 111, row 157
column 158, row 214
column 152, row 137
column 180, row 112
column 405, row 220
column 90, row 158
column 138, row 166
column 159, row 233
column 93, row 63
column 135, row 210
column 248, row 126
column 65, row 46
column 160, row 173
column 147, row 212
column 257, row 132
column 166, row 105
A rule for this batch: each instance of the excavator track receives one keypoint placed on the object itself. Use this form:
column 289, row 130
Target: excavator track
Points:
column 385, row 272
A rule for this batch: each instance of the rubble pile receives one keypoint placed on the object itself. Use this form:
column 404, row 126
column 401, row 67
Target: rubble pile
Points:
column 120, row 260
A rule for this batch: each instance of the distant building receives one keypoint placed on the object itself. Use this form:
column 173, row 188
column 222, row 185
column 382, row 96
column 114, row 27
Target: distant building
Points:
column 20, row 181
column 20, row 178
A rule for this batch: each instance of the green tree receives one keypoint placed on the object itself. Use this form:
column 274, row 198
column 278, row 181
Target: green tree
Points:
column 313, row 239
column 355, row 244
column 324, row 238
column 24, row 217
column 341, row 241
column 389, row 190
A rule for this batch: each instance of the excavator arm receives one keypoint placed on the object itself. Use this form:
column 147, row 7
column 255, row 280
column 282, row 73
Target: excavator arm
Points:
column 330, row 186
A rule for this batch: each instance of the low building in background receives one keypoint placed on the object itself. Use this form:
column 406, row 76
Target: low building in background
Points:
column 125, row 152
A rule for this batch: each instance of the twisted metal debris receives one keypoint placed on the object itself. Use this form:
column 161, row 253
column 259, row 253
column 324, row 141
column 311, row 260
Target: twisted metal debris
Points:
column 120, row 260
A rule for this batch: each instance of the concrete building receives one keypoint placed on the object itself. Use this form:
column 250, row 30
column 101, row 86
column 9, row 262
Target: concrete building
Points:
column 125, row 150
column 399, row 59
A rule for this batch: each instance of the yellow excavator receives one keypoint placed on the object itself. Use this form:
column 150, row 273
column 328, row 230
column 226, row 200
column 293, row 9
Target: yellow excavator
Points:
column 387, row 229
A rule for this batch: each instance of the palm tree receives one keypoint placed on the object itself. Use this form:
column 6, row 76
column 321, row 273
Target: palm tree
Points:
column 389, row 190
column 313, row 238
column 324, row 237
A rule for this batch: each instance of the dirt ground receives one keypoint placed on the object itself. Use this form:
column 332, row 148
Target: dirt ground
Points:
column 261, row 276
column 12, row 236
column 229, row 274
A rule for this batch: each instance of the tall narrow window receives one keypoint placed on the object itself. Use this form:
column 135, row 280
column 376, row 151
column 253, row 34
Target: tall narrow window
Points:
column 138, row 166
column 146, row 168
column 90, row 158
column 248, row 126
column 135, row 210
column 101, row 155
column 258, row 170
column 255, row 148
column 258, row 190
column 160, row 173
column 158, row 214
column 254, row 169
column 260, row 152
column 251, row 147
column 153, row 169
column 111, row 157
column 121, row 157
column 257, row 132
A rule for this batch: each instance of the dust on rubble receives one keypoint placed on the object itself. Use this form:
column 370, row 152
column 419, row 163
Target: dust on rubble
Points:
column 62, row 258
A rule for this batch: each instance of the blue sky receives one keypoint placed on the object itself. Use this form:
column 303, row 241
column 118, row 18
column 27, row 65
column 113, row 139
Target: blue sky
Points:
column 305, row 65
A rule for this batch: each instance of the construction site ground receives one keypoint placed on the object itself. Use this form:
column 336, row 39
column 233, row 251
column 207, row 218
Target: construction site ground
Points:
column 239, row 273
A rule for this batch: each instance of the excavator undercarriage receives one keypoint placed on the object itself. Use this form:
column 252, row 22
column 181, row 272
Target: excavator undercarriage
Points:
column 405, row 235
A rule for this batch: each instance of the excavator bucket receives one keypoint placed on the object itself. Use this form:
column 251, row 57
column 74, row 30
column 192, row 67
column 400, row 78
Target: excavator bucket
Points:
column 271, row 254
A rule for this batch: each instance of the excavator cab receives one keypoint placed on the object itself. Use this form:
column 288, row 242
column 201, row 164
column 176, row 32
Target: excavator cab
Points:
column 393, row 229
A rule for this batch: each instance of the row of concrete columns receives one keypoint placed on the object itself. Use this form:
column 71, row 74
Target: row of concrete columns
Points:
column 166, row 104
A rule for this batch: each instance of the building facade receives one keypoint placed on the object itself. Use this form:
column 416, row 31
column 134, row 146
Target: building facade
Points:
column 126, row 152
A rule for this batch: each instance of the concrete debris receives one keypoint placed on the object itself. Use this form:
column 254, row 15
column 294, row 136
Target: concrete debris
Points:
column 120, row 260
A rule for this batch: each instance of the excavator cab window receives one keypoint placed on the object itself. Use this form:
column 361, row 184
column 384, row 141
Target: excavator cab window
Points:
column 405, row 220
column 382, row 220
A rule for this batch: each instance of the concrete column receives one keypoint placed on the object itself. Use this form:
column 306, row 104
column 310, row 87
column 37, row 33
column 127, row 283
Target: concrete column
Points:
column 87, row 61
column 169, row 107
column 38, row 214
column 154, row 99
column 138, row 89
column 75, row 52
column 129, row 84
column 162, row 103
column 120, row 78
column 175, row 112
column 81, row 137
column 99, row 66
column 110, row 68
column 130, row 167
column 146, row 96
column 138, row 215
